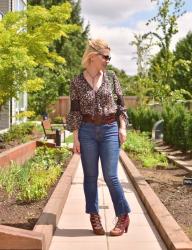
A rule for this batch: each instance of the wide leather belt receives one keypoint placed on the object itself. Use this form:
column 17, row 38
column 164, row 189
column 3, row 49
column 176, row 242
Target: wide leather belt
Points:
column 99, row 119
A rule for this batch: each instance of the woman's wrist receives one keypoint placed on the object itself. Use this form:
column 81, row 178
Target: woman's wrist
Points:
column 122, row 122
column 122, row 128
column 75, row 135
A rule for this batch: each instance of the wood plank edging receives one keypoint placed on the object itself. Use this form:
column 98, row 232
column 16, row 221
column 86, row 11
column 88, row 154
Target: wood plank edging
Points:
column 20, row 239
column 172, row 234
column 40, row 237
column 52, row 211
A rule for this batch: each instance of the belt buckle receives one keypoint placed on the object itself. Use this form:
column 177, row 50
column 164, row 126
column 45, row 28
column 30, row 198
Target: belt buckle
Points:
column 97, row 120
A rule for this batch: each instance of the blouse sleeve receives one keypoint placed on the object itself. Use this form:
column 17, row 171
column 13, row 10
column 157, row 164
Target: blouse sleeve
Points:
column 74, row 117
column 121, row 110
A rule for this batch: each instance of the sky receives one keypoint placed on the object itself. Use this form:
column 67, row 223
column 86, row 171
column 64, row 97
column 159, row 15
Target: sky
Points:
column 117, row 21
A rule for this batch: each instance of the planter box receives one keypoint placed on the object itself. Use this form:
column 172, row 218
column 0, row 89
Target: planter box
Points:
column 40, row 237
column 18, row 154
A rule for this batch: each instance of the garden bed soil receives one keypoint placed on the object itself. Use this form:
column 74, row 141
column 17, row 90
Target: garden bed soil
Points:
column 22, row 215
column 176, row 197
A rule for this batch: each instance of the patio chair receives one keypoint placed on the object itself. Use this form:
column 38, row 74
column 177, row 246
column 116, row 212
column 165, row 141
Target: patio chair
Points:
column 49, row 132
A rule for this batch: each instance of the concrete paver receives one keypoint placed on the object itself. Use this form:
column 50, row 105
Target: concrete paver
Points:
column 74, row 229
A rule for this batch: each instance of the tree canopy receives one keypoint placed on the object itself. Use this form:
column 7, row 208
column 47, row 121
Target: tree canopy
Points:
column 183, row 64
column 71, row 48
column 25, row 38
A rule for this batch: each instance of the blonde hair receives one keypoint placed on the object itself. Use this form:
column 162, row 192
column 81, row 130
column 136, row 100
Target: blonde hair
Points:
column 93, row 47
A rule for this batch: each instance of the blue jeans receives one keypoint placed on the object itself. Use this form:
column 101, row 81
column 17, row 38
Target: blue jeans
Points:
column 101, row 141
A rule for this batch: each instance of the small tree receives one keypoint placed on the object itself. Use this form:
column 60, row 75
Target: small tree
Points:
column 183, row 64
column 168, row 13
column 25, row 38
column 57, row 81
column 143, row 47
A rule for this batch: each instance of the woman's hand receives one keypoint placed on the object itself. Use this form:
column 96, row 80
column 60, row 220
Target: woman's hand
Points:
column 76, row 146
column 76, row 143
column 122, row 135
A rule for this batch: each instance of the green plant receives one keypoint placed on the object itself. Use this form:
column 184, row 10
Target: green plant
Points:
column 25, row 114
column 152, row 160
column 69, row 139
column 58, row 120
column 138, row 143
column 143, row 118
column 177, row 126
column 32, row 180
column 18, row 132
column 141, row 147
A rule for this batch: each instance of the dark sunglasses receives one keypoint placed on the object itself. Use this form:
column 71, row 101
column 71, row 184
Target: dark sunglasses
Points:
column 107, row 58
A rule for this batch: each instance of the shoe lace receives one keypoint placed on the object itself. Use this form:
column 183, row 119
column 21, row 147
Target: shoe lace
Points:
column 119, row 221
column 95, row 220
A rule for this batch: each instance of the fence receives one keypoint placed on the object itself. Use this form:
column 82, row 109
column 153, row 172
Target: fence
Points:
column 62, row 105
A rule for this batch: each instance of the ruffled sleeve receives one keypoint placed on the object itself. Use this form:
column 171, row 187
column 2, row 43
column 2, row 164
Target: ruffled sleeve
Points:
column 74, row 117
column 121, row 110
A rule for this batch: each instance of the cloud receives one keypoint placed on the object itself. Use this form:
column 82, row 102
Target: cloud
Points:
column 106, row 18
column 184, row 26
column 112, row 12
column 119, row 39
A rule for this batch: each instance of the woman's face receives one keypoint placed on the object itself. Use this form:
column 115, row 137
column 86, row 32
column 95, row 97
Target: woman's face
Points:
column 101, row 59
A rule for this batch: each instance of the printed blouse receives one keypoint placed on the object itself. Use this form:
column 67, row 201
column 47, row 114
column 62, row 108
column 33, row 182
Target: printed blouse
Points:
column 106, row 100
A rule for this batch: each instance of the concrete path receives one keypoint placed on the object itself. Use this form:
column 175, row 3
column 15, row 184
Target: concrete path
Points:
column 74, row 230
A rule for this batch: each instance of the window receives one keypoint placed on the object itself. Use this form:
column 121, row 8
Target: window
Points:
column 19, row 5
column 1, row 15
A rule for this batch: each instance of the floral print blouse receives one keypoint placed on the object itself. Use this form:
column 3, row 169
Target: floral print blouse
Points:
column 106, row 100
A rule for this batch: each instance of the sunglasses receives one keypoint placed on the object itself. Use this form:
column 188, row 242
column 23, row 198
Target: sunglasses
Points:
column 107, row 58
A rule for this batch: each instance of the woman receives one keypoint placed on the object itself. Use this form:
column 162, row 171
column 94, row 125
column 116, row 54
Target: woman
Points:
column 96, row 105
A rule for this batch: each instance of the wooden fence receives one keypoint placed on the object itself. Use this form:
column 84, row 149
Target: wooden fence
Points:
column 62, row 105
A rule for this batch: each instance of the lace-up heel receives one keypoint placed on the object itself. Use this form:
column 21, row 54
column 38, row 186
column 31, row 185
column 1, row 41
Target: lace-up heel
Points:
column 96, row 224
column 121, row 226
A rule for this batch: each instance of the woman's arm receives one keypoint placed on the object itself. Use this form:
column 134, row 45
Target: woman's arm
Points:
column 121, row 111
column 74, row 117
column 122, row 130
column 76, row 143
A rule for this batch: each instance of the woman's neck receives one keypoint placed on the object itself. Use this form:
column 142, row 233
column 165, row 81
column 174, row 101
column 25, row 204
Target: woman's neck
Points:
column 93, row 72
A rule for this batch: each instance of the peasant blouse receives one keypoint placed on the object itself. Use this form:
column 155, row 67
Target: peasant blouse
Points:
column 106, row 100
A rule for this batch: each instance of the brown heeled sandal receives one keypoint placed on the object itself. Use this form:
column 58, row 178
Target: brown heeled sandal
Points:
column 121, row 226
column 96, row 224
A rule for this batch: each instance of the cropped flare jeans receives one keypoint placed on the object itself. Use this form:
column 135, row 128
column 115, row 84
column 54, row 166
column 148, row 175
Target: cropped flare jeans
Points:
column 101, row 141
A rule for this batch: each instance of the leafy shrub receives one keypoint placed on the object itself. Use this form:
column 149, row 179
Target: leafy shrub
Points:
column 18, row 132
column 177, row 126
column 188, row 132
column 58, row 120
column 143, row 118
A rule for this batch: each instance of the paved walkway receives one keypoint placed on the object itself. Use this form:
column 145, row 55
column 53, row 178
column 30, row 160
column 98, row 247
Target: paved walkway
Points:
column 74, row 230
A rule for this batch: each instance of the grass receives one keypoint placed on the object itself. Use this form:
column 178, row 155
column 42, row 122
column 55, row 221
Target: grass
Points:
column 69, row 139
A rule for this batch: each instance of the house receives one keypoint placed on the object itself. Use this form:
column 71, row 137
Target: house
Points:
column 13, row 107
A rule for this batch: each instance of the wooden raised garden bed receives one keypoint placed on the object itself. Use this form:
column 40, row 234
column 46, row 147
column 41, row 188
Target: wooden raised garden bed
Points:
column 40, row 237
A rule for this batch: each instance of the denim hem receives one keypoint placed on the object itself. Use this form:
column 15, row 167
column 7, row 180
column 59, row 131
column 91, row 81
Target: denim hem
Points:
column 122, row 208
column 92, row 212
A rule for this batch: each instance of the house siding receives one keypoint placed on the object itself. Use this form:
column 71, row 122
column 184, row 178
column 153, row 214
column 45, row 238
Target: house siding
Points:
column 5, row 6
column 4, row 117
